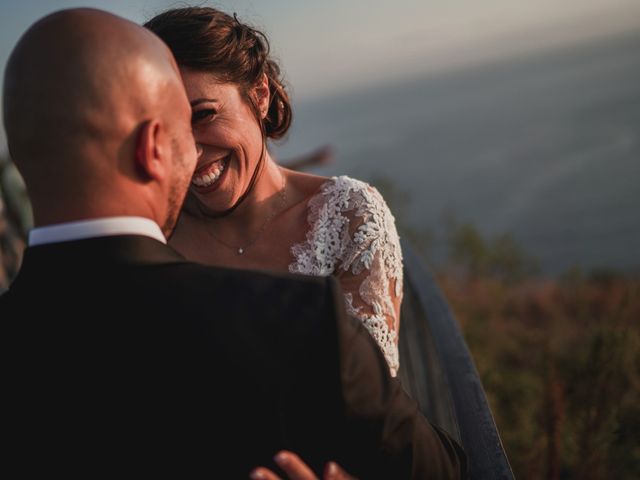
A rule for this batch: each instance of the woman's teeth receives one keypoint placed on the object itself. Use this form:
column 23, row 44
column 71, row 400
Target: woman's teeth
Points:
column 209, row 176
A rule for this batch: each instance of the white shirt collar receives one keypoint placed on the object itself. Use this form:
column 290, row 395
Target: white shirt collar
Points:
column 99, row 227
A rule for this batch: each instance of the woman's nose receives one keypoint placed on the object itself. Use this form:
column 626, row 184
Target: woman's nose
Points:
column 199, row 149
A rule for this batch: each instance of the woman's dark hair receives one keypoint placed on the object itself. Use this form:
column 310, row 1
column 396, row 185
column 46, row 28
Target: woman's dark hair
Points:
column 209, row 40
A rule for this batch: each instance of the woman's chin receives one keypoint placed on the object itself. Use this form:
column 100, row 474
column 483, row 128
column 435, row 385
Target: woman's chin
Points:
column 211, row 205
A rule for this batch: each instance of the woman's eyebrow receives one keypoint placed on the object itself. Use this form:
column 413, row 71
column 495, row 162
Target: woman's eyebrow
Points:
column 198, row 101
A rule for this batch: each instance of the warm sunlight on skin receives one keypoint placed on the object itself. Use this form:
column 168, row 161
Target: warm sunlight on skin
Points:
column 225, row 128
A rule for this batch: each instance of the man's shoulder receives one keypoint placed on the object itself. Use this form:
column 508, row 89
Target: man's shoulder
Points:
column 256, row 289
column 196, row 273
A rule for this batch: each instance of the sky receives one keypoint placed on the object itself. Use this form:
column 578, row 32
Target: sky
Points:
column 335, row 46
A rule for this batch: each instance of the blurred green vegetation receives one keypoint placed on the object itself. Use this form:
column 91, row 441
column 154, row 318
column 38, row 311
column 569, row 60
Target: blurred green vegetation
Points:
column 15, row 219
column 559, row 358
column 560, row 362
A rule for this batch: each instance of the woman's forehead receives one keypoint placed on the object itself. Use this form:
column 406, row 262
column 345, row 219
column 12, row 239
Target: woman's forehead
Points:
column 207, row 84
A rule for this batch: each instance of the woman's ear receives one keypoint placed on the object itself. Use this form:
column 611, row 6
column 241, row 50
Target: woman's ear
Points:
column 150, row 152
column 262, row 96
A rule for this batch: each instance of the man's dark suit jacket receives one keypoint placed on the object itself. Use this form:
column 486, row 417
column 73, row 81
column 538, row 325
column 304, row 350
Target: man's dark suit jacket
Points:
column 121, row 357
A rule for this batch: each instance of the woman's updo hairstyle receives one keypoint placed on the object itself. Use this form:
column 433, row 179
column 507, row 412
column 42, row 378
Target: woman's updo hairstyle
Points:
column 208, row 40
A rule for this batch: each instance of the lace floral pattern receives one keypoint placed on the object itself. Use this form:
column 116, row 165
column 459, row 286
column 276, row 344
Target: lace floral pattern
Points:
column 353, row 236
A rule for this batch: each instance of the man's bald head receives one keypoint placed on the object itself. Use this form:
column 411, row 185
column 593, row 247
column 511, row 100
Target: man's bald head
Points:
column 78, row 86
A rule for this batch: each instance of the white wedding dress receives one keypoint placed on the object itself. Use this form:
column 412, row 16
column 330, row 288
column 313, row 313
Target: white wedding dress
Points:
column 353, row 236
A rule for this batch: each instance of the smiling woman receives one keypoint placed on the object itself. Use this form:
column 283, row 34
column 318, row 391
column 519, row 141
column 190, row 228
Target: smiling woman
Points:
column 245, row 211
column 223, row 123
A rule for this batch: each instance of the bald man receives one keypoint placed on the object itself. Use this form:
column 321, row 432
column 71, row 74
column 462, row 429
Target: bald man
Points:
column 122, row 358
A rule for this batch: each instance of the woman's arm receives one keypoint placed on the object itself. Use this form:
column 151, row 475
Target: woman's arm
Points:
column 370, row 271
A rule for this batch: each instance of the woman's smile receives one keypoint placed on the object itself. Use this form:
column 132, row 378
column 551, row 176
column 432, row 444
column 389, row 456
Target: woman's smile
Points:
column 210, row 176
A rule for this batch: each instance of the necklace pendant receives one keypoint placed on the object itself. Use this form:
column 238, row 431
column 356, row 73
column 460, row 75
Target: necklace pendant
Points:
column 240, row 251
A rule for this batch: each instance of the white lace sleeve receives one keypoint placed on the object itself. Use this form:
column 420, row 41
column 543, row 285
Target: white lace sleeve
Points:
column 353, row 236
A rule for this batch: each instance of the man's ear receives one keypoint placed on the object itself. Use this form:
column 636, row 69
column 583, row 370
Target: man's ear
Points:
column 262, row 96
column 150, row 151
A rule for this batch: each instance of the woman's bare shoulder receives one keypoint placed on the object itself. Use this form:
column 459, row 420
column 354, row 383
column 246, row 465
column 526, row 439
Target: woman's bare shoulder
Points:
column 303, row 186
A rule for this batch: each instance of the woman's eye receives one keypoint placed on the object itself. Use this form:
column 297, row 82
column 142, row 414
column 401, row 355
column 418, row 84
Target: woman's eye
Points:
column 201, row 115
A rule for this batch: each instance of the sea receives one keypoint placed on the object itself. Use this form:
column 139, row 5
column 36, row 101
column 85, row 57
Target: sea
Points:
column 544, row 146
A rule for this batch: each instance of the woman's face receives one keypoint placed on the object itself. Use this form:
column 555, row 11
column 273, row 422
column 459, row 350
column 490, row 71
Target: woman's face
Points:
column 227, row 132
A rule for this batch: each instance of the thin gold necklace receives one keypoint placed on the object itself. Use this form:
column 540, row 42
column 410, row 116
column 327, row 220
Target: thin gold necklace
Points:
column 241, row 249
